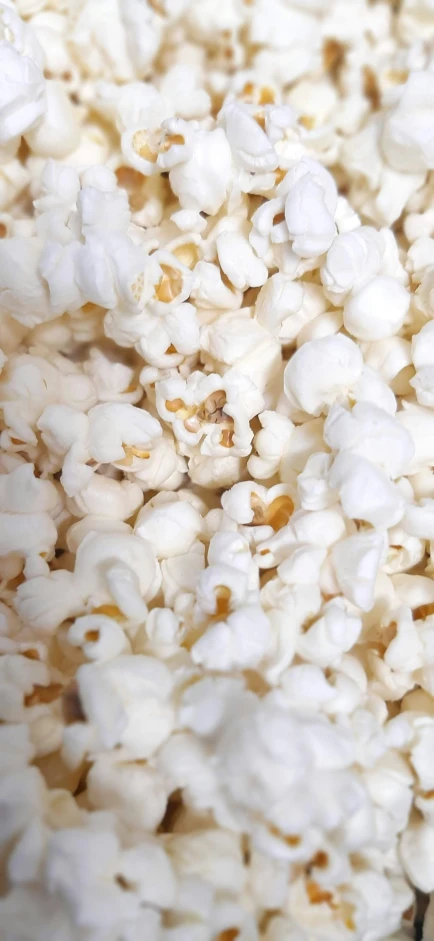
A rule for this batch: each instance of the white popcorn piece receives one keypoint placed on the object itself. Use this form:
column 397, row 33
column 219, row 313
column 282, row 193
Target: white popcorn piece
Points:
column 357, row 257
column 200, row 176
column 240, row 642
column 104, row 575
column 371, row 387
column 352, row 260
column 416, row 420
column 356, row 561
column 310, row 206
column 57, row 133
column 127, row 700
column 120, row 52
column 249, row 143
column 170, row 528
column 118, row 430
column 404, row 141
column 365, row 491
column 99, row 637
column 30, row 383
column 320, row 372
column 271, row 443
column 92, row 893
column 378, row 310
column 112, row 380
column 106, row 497
column 29, row 304
column 332, row 635
column 238, row 340
column 239, row 262
column 194, row 407
column 371, row 432
column 23, row 95
column 22, row 797
column 135, row 792
column 415, row 852
column 313, row 484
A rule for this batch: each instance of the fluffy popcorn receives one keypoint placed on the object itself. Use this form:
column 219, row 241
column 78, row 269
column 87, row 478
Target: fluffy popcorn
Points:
column 239, row 263
column 240, row 642
column 200, row 175
column 310, row 206
column 99, row 637
column 237, row 340
column 111, row 780
column 107, row 442
column 352, row 260
column 365, row 491
column 371, row 432
column 98, row 439
column 281, row 300
column 124, row 48
column 216, row 485
column 127, row 702
column 102, row 576
column 330, row 636
column 58, row 133
column 406, row 141
column 30, row 383
column 23, row 97
column 356, row 561
column 320, row 372
column 415, row 850
column 106, row 497
column 378, row 310
column 195, row 406
column 170, row 527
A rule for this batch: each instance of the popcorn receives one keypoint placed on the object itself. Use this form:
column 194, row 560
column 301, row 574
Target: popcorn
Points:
column 236, row 339
column 239, row 263
column 404, row 140
column 171, row 528
column 249, row 143
column 100, row 637
column 240, row 642
column 121, row 52
column 200, row 176
column 310, row 205
column 415, row 849
column 127, row 702
column 23, row 99
column 365, row 491
column 194, row 406
column 356, row 257
column 216, row 486
column 117, row 431
column 58, row 133
column 320, row 371
column 110, row 781
column 378, row 310
column 330, row 636
column 356, row 561
column 105, row 497
column 30, row 383
column 381, row 441
column 100, row 578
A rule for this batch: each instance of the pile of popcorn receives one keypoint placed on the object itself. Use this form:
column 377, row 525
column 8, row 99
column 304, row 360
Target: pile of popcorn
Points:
column 216, row 470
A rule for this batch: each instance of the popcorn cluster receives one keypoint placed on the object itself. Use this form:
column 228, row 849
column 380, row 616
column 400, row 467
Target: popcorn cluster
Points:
column 216, row 475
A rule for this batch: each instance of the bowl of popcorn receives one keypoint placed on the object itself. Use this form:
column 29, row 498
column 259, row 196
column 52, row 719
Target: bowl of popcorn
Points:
column 217, row 470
